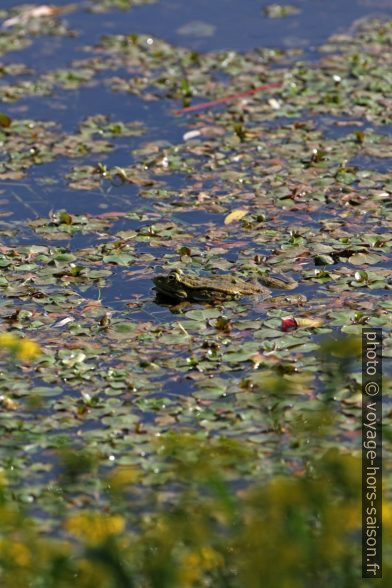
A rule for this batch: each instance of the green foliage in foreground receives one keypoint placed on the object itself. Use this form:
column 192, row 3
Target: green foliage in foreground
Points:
column 199, row 527
column 303, row 531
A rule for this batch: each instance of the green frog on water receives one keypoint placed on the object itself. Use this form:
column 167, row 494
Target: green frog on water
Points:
column 179, row 286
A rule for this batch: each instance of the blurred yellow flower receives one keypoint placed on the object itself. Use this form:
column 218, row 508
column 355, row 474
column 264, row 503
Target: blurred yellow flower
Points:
column 211, row 558
column 23, row 349
column 123, row 476
column 20, row 554
column 94, row 528
column 28, row 349
column 3, row 479
column 189, row 570
column 387, row 515
column 8, row 340
column 193, row 565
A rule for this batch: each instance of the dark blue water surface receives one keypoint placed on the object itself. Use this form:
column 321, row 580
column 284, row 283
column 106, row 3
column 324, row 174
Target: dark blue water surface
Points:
column 202, row 26
column 236, row 24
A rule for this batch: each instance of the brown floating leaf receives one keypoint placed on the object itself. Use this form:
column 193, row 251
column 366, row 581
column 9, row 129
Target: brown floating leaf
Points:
column 5, row 120
column 43, row 11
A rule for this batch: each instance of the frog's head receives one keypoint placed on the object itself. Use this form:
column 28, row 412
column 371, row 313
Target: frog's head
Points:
column 171, row 285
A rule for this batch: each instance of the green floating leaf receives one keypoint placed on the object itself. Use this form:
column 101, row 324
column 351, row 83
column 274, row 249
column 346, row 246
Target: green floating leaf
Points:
column 203, row 315
column 324, row 260
column 121, row 259
column 368, row 258
column 124, row 327
column 65, row 218
column 65, row 257
column 280, row 10
column 197, row 28
column 46, row 391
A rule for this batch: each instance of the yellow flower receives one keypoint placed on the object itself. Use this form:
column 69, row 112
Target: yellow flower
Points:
column 194, row 564
column 20, row 554
column 3, row 479
column 210, row 558
column 94, row 528
column 123, row 476
column 23, row 349
column 9, row 341
column 387, row 516
column 189, row 570
column 27, row 349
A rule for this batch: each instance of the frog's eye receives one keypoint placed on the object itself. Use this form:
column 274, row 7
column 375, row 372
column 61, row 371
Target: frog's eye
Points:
column 175, row 275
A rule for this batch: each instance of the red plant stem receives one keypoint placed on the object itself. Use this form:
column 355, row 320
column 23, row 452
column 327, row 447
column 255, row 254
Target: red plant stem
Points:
column 228, row 98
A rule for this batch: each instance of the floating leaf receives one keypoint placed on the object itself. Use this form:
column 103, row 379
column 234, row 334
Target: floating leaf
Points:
column 237, row 214
column 280, row 10
column 46, row 391
column 312, row 322
column 365, row 258
column 120, row 259
column 5, row 120
column 197, row 28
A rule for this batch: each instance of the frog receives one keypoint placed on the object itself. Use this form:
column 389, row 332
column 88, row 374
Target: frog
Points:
column 179, row 286
column 281, row 281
